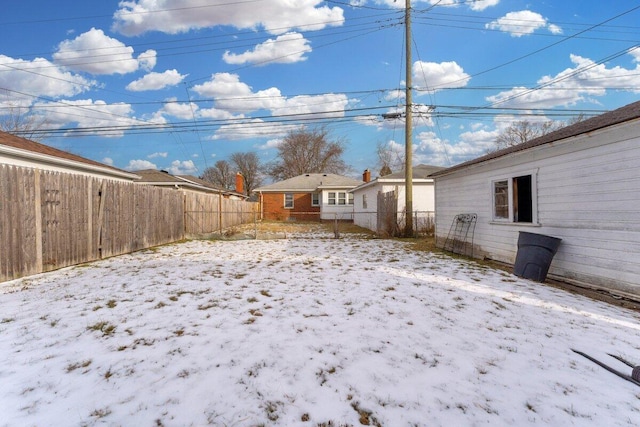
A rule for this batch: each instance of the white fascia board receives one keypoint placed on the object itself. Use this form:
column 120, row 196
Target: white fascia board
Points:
column 58, row 161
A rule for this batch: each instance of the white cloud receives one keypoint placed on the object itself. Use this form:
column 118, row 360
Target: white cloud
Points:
column 522, row 23
column 586, row 79
column 180, row 110
column 395, row 95
column 234, row 96
column 156, row 81
column 39, row 77
column 317, row 106
column 430, row 149
column 476, row 5
column 223, row 85
column 272, row 143
column 108, row 161
column 480, row 5
column 432, row 76
column 277, row 16
column 147, row 60
column 186, row 167
column 158, row 154
column 285, row 49
column 137, row 165
column 87, row 113
column 96, row 53
column 254, row 128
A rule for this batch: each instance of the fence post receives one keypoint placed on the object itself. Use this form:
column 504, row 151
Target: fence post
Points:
column 38, row 219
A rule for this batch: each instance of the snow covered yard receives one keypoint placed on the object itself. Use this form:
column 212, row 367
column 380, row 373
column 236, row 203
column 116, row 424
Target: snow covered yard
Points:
column 307, row 331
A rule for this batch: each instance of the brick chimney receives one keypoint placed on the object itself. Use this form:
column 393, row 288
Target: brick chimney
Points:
column 366, row 176
column 239, row 183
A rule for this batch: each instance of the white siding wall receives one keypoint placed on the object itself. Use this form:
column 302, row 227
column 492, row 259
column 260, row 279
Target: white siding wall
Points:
column 331, row 212
column 588, row 194
column 423, row 201
column 366, row 217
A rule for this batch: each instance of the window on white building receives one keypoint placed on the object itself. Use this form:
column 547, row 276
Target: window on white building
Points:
column 332, row 198
column 315, row 199
column 342, row 198
column 514, row 199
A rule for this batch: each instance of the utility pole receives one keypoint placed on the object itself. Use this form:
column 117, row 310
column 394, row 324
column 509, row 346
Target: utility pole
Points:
column 408, row 133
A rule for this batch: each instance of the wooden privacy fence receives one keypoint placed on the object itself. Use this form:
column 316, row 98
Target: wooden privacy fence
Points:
column 50, row 220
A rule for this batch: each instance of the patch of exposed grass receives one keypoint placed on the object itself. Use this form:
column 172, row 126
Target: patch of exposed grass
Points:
column 106, row 328
column 111, row 303
column 208, row 305
column 101, row 413
column 73, row 366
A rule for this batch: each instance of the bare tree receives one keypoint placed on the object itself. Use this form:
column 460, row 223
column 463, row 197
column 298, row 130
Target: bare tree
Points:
column 220, row 174
column 389, row 158
column 248, row 164
column 308, row 152
column 23, row 122
column 524, row 130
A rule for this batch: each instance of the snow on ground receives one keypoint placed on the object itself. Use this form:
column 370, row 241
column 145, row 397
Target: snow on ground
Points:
column 307, row 332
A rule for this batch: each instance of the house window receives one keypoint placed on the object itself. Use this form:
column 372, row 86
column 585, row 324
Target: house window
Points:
column 315, row 199
column 288, row 200
column 332, row 198
column 364, row 201
column 501, row 199
column 514, row 199
column 350, row 196
column 342, row 198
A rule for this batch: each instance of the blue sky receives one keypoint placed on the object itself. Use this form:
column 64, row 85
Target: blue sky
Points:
column 180, row 84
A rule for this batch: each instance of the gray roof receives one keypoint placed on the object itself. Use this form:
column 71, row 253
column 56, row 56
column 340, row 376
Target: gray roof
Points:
column 418, row 172
column 310, row 182
column 163, row 178
column 621, row 115
column 200, row 181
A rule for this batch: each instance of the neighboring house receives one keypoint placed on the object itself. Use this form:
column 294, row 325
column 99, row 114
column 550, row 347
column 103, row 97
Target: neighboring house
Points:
column 379, row 204
column 160, row 178
column 579, row 183
column 238, row 194
column 22, row 152
column 308, row 197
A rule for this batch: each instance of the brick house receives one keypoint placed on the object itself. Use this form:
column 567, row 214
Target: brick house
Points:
column 308, row 197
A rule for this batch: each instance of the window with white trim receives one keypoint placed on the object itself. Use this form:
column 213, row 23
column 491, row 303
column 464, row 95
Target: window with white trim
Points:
column 514, row 199
column 364, row 201
column 288, row 200
column 332, row 198
column 350, row 198
column 342, row 198
column 315, row 199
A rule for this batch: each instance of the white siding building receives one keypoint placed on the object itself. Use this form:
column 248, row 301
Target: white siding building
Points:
column 365, row 196
column 579, row 184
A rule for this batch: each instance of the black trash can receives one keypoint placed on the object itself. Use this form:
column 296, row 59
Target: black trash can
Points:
column 535, row 252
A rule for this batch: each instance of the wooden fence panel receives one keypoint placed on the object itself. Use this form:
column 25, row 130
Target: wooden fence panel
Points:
column 65, row 213
column 211, row 213
column 50, row 220
column 202, row 213
column 18, row 223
